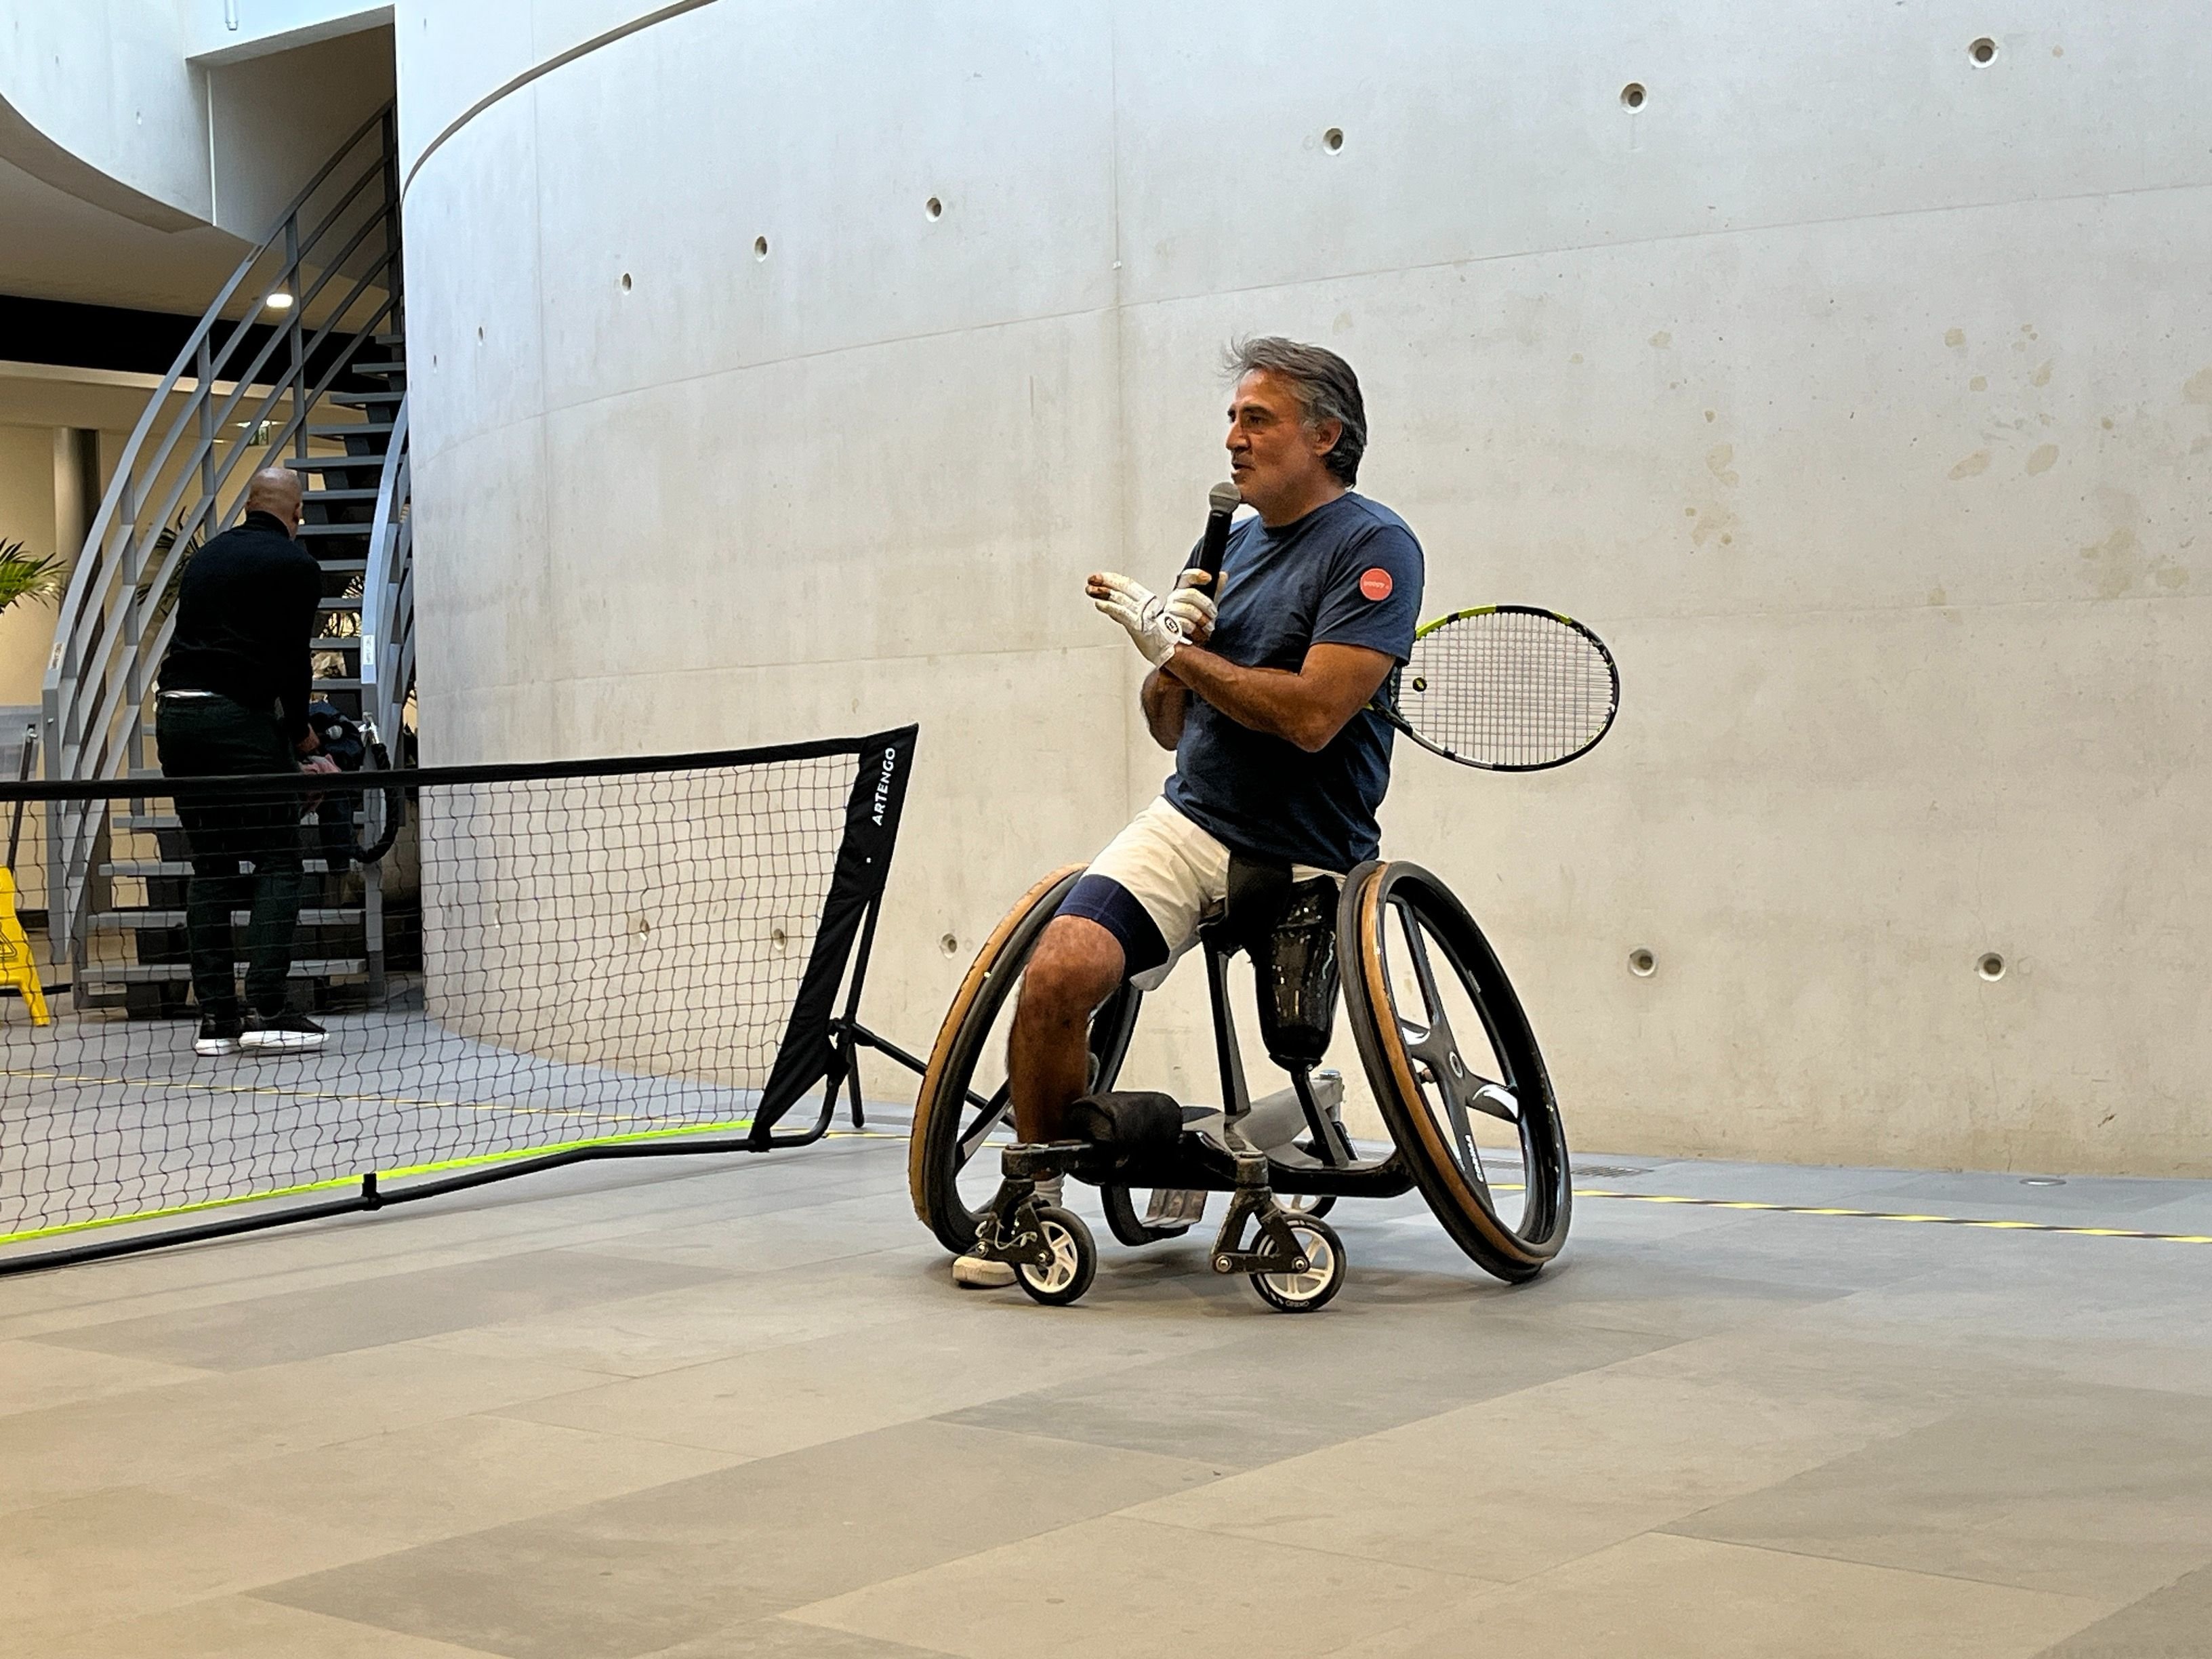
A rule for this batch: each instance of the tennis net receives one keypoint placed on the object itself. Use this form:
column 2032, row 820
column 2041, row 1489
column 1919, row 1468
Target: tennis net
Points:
column 514, row 965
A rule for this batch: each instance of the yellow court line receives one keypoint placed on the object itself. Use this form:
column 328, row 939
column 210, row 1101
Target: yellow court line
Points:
column 1991, row 1224
column 327, row 1096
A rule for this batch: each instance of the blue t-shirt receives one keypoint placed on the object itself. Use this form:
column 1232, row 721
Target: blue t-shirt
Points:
column 1347, row 574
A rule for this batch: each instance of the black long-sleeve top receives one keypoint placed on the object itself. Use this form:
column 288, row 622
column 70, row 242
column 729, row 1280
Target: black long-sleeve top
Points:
column 245, row 615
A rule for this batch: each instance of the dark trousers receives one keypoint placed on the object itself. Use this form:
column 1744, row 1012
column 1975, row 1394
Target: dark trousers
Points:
column 206, row 737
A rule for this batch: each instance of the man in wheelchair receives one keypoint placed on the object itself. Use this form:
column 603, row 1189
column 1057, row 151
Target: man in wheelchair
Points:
column 1262, row 692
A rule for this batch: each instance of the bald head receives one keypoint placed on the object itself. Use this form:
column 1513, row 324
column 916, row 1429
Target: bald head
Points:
column 275, row 490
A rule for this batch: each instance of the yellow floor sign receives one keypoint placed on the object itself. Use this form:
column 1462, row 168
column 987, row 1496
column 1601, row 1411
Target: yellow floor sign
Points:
column 18, row 972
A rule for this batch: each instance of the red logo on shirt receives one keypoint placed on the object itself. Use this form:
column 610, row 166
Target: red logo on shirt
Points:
column 1374, row 582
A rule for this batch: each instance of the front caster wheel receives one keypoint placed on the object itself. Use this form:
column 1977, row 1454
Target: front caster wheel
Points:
column 1075, row 1259
column 1324, row 1274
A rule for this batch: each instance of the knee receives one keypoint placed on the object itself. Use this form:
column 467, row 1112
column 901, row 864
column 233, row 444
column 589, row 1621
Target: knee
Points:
column 1071, row 972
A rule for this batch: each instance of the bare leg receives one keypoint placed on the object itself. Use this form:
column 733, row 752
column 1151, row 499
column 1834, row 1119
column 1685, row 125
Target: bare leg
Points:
column 1077, row 966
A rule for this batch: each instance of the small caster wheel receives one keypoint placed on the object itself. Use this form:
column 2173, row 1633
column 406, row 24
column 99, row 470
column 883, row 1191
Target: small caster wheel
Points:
column 1324, row 1275
column 1315, row 1205
column 1075, row 1259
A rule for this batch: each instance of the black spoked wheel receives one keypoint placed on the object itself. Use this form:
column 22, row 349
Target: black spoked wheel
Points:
column 963, row 1114
column 1455, row 1068
column 1302, row 1293
column 1074, row 1261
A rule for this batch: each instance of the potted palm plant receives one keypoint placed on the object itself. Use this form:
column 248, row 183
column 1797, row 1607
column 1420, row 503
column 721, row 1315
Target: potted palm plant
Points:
column 23, row 576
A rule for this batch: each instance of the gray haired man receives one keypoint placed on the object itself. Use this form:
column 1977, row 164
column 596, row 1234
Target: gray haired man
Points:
column 1261, row 693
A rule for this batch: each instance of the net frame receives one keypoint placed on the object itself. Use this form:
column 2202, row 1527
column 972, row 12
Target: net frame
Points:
column 817, row 1045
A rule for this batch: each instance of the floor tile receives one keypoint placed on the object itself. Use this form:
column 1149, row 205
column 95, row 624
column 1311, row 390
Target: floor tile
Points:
column 2172, row 1622
column 36, row 1375
column 128, row 1550
column 240, row 1627
column 1657, row 1597
column 1116, row 1586
column 397, row 1308
column 466, row 1473
column 2096, row 1492
column 1290, row 1386
column 638, row 1574
column 1510, row 1486
column 171, row 1431
column 784, row 1398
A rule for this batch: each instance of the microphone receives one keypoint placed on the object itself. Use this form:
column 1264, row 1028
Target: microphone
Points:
column 1222, row 501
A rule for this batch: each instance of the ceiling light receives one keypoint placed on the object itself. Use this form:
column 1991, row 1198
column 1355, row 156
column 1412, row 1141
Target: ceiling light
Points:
column 279, row 300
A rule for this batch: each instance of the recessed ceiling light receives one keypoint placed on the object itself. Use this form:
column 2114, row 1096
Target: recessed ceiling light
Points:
column 279, row 300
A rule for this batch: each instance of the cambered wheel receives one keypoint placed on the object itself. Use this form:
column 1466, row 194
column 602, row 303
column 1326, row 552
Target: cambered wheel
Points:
column 1075, row 1259
column 1324, row 1274
column 962, row 1112
column 1455, row 1068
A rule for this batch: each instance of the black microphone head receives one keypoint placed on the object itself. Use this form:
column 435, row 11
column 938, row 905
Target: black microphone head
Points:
column 1224, row 497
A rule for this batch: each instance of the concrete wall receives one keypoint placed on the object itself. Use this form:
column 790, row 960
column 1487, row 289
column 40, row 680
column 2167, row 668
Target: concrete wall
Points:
column 1861, row 395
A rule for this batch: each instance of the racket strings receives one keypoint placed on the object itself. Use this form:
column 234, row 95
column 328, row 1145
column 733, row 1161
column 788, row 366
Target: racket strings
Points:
column 1508, row 689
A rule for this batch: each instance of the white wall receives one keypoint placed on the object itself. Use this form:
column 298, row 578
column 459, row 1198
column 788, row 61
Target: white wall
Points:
column 106, row 81
column 1861, row 396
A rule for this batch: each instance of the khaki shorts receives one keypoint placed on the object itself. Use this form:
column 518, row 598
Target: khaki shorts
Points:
column 1178, row 873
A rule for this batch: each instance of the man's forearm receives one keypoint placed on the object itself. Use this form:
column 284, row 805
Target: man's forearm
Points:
column 1165, row 700
column 1275, row 701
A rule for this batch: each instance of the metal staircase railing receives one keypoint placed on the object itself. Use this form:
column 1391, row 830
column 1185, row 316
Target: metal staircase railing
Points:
column 241, row 389
column 388, row 602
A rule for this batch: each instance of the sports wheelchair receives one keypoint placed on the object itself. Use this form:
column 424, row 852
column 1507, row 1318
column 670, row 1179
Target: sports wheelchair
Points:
column 1454, row 1067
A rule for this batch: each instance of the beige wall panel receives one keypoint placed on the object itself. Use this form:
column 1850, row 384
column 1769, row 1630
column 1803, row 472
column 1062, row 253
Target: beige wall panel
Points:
column 1861, row 397
column 475, row 355
column 713, row 121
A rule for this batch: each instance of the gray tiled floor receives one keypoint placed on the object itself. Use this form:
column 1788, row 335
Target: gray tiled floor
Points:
column 699, row 1410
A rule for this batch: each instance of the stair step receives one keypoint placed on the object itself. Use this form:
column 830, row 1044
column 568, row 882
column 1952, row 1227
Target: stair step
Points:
column 336, row 642
column 363, row 399
column 322, row 685
column 353, row 430
column 142, row 868
column 390, row 366
column 119, row 973
column 335, row 464
column 124, row 921
column 347, row 495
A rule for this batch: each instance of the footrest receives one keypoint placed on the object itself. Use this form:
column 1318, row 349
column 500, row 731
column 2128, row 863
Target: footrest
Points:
column 1127, row 1119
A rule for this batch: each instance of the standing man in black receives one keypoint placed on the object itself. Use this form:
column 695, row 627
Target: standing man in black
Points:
column 233, row 698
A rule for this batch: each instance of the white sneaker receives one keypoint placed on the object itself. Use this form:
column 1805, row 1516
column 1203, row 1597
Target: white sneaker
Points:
column 971, row 1272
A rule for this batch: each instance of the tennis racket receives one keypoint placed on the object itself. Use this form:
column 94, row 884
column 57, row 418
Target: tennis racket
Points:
column 1504, row 687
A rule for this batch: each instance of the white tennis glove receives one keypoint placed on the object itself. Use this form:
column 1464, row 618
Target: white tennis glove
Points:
column 1155, row 625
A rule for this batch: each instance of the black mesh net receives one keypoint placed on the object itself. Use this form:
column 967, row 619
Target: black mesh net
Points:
column 544, row 958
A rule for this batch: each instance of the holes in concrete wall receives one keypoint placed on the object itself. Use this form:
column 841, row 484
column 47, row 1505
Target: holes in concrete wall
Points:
column 950, row 944
column 625, row 281
column 933, row 208
column 1632, row 95
column 1984, row 52
column 1333, row 140
column 1641, row 963
column 760, row 247
column 1991, row 967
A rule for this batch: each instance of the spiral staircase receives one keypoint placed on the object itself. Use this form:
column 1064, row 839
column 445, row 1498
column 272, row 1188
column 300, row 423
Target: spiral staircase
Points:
column 302, row 360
